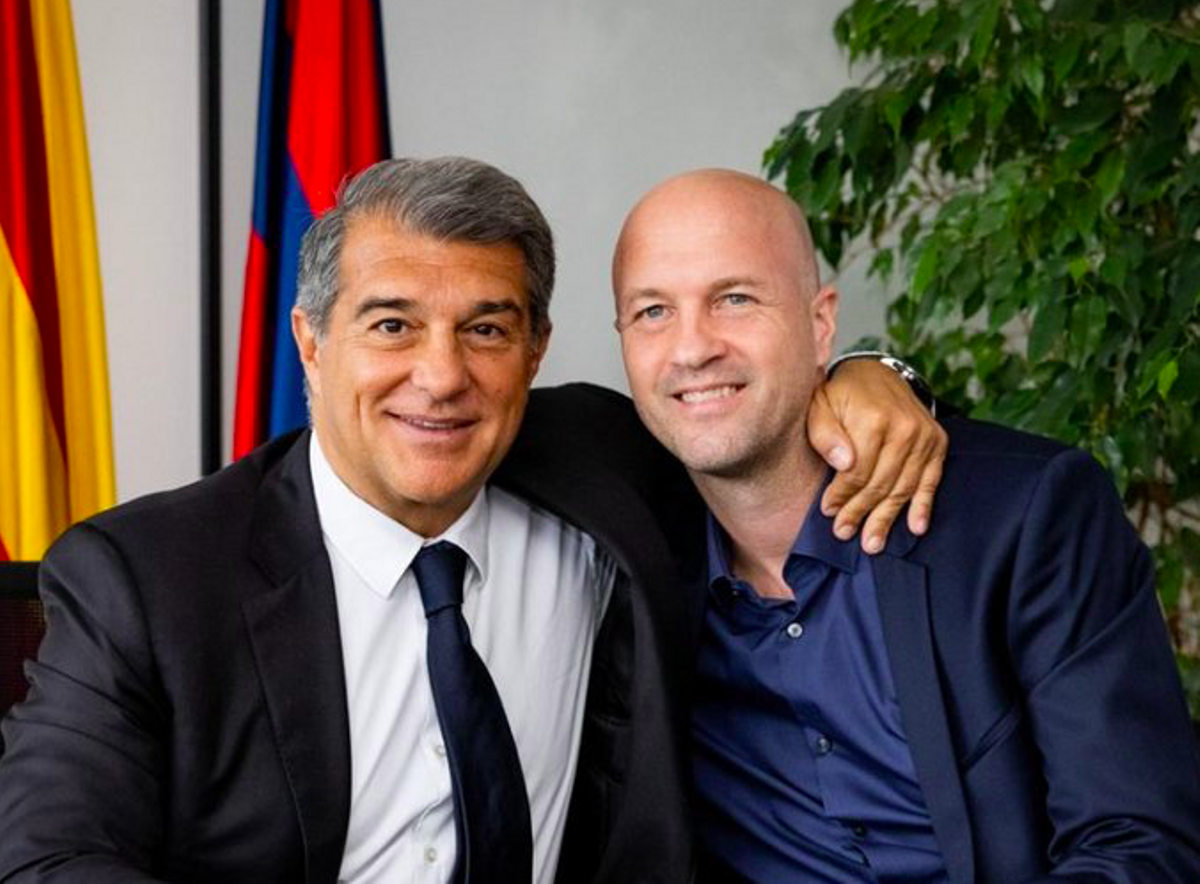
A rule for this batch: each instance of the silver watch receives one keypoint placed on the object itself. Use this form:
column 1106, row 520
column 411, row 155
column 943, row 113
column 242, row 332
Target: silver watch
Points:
column 912, row 377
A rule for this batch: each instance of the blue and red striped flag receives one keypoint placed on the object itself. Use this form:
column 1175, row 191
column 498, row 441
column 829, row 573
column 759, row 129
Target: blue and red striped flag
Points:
column 322, row 116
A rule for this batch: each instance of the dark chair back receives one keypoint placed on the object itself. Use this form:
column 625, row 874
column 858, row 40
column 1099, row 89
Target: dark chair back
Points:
column 21, row 628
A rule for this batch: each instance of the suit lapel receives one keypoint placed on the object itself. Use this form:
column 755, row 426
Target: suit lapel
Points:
column 293, row 628
column 904, row 609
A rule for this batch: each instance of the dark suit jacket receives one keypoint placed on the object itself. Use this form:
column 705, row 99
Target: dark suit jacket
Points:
column 187, row 716
column 1035, row 680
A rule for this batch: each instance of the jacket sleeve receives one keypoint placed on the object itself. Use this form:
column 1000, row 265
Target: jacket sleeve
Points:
column 1102, row 692
column 83, row 771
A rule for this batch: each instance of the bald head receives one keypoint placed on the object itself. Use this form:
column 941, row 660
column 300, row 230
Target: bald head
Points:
column 723, row 200
column 724, row 325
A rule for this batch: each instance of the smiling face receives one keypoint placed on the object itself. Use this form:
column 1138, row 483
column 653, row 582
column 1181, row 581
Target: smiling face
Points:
column 419, row 383
column 723, row 330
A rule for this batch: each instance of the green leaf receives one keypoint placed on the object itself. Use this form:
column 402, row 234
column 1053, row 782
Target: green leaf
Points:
column 1074, row 10
column 922, row 27
column 1148, row 376
column 959, row 116
column 1053, row 412
column 829, row 119
column 1132, row 38
column 828, row 170
column 895, row 105
column 1168, row 63
column 1032, row 75
column 1078, row 268
column 985, row 29
column 1081, row 149
column 1114, row 461
column 1095, row 108
column 1065, row 53
column 1112, row 271
column 1186, row 390
column 926, row 268
column 860, row 127
column 996, row 110
column 1109, row 177
column 1047, row 326
column 1002, row 311
column 1185, row 285
column 1094, row 311
column 991, row 219
column 1166, row 378
column 1169, row 576
column 1151, row 57
column 882, row 264
column 908, row 234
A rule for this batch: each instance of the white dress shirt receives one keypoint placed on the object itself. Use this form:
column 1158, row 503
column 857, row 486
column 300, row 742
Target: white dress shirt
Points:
column 533, row 596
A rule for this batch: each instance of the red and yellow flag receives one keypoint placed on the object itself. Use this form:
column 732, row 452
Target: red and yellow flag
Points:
column 55, row 437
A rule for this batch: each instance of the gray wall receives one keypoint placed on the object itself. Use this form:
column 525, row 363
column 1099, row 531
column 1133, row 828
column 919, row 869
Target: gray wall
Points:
column 589, row 102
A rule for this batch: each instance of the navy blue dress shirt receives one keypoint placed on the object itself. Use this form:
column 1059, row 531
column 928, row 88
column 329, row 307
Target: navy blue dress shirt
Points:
column 802, row 768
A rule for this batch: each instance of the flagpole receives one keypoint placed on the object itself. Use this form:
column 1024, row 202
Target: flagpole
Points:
column 210, row 236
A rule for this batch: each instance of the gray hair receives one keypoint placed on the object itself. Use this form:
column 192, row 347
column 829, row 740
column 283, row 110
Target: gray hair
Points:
column 448, row 198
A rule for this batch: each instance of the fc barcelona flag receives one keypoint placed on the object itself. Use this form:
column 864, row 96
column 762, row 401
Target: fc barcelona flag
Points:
column 322, row 116
column 55, row 437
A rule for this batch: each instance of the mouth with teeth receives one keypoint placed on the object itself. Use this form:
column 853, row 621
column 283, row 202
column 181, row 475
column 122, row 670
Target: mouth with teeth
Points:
column 701, row 395
column 438, row 426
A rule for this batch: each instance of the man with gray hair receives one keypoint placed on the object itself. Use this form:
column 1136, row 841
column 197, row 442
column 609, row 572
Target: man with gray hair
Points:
column 361, row 653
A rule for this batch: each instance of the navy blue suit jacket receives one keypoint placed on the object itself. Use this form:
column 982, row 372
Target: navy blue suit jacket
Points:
column 1037, row 687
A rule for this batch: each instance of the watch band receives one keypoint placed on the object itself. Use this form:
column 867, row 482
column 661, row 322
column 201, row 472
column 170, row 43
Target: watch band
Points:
column 912, row 377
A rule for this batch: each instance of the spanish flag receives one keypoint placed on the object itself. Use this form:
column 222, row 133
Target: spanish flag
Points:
column 322, row 116
column 55, row 436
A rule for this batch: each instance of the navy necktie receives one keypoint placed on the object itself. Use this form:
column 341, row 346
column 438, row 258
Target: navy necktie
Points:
column 491, row 808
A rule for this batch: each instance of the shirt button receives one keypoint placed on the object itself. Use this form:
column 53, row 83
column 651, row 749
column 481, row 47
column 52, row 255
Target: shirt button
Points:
column 858, row 830
column 439, row 750
column 795, row 630
column 824, row 745
column 431, row 855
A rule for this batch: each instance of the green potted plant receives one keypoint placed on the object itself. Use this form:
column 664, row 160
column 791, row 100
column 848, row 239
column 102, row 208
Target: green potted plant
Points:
column 1025, row 176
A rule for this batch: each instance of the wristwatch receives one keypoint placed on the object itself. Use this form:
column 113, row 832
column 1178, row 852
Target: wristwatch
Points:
column 911, row 376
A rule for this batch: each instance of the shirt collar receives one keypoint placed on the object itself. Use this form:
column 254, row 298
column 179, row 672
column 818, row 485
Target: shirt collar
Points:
column 814, row 540
column 377, row 547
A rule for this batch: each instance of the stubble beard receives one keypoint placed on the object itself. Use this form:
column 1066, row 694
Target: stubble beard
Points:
column 754, row 452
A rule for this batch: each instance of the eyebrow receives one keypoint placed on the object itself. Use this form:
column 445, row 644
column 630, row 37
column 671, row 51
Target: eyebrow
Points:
column 732, row 282
column 491, row 308
column 371, row 304
column 481, row 308
column 727, row 282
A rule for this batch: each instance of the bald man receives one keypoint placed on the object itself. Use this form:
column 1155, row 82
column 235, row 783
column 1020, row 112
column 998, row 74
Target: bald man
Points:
column 994, row 701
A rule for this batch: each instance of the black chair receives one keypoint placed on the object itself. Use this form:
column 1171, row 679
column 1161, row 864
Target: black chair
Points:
column 21, row 628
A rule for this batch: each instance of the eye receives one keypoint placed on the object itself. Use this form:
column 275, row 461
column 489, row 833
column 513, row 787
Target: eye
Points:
column 488, row 331
column 391, row 326
column 651, row 313
column 736, row 299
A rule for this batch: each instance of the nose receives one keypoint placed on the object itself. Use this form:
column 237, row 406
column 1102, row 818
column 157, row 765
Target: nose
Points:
column 698, row 340
column 441, row 368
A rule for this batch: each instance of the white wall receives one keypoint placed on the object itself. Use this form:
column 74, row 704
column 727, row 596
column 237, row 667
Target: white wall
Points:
column 588, row 102
column 138, row 71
